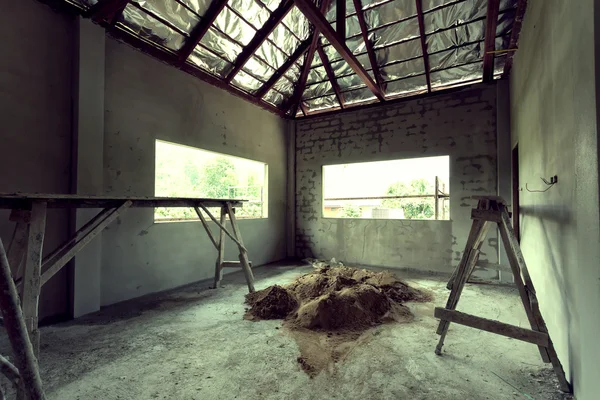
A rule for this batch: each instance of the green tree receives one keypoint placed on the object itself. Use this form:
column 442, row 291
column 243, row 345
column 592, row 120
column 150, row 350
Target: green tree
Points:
column 350, row 211
column 414, row 208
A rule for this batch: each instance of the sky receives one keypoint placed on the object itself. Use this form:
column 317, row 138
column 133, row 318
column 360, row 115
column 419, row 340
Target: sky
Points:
column 373, row 178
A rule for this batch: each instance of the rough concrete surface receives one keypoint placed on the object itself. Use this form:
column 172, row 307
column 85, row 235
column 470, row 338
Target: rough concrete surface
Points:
column 461, row 125
column 554, row 122
column 193, row 343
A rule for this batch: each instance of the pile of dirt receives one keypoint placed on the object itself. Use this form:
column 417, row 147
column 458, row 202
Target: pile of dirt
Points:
column 333, row 300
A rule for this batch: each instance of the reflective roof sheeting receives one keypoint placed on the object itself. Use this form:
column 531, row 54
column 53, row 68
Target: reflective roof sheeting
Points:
column 271, row 52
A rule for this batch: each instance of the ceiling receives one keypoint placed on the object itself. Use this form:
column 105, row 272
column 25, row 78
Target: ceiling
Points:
column 297, row 58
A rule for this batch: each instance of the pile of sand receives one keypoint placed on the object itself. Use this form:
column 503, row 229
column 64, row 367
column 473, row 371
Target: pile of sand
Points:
column 333, row 300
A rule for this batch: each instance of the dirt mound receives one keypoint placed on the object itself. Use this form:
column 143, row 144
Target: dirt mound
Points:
column 273, row 302
column 331, row 307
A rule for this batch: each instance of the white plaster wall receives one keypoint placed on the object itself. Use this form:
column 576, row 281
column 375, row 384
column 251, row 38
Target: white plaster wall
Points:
column 553, row 105
column 146, row 100
column 35, row 112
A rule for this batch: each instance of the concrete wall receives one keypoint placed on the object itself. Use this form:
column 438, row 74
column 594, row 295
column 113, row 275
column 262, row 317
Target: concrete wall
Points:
column 554, row 122
column 35, row 110
column 146, row 100
column 461, row 125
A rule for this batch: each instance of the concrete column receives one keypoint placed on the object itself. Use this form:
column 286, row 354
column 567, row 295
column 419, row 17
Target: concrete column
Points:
column 88, row 145
column 291, row 189
column 504, row 161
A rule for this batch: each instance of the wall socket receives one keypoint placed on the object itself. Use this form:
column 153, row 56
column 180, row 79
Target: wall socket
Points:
column 553, row 179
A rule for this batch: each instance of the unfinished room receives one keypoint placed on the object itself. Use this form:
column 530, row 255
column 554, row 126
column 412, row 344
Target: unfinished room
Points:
column 299, row 199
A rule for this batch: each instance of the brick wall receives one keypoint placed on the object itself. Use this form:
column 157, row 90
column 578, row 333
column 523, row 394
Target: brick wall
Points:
column 461, row 125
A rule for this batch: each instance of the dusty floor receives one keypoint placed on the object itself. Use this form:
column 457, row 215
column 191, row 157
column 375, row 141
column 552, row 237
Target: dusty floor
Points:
column 194, row 344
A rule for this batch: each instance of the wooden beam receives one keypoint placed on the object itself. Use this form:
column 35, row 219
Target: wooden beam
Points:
column 16, row 330
column 486, row 215
column 285, row 67
column 295, row 100
column 52, row 266
column 340, row 19
column 312, row 13
column 488, row 325
column 23, row 201
column 200, row 30
column 222, row 226
column 423, row 42
column 261, row 35
column 330, row 75
column 106, row 9
column 490, row 39
column 364, row 29
column 206, row 227
column 9, row 371
column 220, row 249
column 32, row 272
column 514, row 36
column 243, row 256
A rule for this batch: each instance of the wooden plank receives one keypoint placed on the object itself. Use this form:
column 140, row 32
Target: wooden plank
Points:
column 220, row 249
column 243, row 252
column 437, row 192
column 477, row 234
column 364, row 30
column 494, row 266
column 32, row 272
column 206, row 227
column 523, row 292
column 340, row 19
column 514, row 35
column 222, row 227
column 23, row 201
column 497, row 199
column 331, row 75
column 259, row 37
column 200, row 30
column 9, row 370
column 490, row 39
column 61, row 260
column 285, row 67
column 106, row 9
column 486, row 215
column 234, row 264
column 312, row 13
column 488, row 325
column 16, row 330
column 423, row 37
column 17, row 248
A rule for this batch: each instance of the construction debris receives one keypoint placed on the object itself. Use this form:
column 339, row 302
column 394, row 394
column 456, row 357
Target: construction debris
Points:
column 333, row 301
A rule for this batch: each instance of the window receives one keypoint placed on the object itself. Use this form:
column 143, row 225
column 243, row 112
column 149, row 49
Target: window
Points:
column 399, row 189
column 183, row 171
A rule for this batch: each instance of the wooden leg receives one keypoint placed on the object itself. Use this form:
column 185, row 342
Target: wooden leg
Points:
column 85, row 235
column 243, row 252
column 220, row 249
column 457, row 287
column 17, row 332
column 18, row 244
column 32, row 272
column 477, row 234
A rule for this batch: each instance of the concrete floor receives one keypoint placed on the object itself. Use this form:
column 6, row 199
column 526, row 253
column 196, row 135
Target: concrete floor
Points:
column 192, row 343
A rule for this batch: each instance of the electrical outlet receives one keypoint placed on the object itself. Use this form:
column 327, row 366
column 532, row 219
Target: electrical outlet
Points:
column 554, row 179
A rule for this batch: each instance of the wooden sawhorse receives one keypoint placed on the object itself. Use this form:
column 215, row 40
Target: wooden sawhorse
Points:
column 493, row 209
column 23, row 271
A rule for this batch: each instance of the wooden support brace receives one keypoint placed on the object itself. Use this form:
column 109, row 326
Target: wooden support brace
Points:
column 243, row 252
column 222, row 226
column 68, row 252
column 18, row 245
column 206, row 227
column 220, row 249
column 486, row 215
column 234, row 264
column 32, row 272
column 18, row 336
column 489, row 325
column 10, row 371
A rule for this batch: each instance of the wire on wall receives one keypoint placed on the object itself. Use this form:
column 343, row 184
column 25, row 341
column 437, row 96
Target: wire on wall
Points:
column 553, row 181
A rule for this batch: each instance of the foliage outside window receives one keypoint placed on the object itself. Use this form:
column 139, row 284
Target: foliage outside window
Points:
column 183, row 171
column 398, row 189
